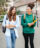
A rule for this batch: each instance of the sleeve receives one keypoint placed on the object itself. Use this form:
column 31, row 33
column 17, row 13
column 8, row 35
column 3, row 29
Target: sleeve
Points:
column 4, row 20
column 18, row 22
column 35, row 22
column 22, row 22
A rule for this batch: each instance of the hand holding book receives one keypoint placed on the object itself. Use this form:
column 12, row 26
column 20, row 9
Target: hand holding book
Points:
column 30, row 24
column 35, row 21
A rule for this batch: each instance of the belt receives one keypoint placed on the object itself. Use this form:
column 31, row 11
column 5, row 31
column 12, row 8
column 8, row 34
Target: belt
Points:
column 11, row 28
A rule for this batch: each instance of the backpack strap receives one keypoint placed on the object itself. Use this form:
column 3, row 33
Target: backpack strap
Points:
column 24, row 16
column 6, row 18
column 33, row 18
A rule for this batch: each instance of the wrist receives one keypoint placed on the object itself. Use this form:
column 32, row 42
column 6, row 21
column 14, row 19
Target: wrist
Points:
column 32, row 23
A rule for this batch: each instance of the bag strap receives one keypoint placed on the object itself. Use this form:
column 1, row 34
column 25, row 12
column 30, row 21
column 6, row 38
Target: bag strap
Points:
column 33, row 18
column 24, row 16
column 6, row 19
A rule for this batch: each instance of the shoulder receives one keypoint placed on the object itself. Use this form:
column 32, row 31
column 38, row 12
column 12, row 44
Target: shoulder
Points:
column 5, row 16
column 22, row 15
column 17, row 16
column 34, row 16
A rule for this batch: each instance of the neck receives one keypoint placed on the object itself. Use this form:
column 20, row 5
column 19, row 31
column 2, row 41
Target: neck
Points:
column 29, row 13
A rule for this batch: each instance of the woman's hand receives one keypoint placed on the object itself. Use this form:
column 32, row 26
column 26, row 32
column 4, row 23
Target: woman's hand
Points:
column 11, row 26
column 30, row 24
column 7, row 26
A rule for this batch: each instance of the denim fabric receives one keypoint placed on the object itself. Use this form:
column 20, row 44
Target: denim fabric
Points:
column 13, row 38
column 8, row 41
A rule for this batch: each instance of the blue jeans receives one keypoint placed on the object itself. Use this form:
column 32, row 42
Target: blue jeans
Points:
column 8, row 42
column 13, row 38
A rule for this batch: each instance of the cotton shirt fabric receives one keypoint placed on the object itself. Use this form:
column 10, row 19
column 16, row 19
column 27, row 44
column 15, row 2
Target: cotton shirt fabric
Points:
column 7, row 33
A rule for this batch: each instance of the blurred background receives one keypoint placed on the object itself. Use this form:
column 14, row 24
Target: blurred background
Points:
column 21, row 6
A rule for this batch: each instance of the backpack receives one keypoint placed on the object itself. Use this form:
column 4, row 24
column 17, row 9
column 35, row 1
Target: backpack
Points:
column 4, row 28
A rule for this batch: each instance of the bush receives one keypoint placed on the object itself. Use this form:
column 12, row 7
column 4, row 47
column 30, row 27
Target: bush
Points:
column 18, row 12
column 2, row 12
column 1, row 18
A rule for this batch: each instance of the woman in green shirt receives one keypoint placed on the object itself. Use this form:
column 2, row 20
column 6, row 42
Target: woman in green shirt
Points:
column 28, row 26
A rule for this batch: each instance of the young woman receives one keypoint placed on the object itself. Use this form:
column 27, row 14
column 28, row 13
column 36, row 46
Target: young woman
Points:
column 12, row 23
column 28, row 26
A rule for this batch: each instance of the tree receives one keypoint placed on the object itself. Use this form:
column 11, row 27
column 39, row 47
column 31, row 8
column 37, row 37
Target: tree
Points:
column 2, row 2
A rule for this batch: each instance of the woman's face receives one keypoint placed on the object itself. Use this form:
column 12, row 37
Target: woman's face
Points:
column 13, row 11
column 28, row 10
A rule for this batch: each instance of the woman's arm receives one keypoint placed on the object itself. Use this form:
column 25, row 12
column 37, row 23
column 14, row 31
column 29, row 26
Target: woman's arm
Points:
column 22, row 21
column 33, row 23
column 30, row 24
column 16, row 25
column 10, row 26
column 18, row 22
column 4, row 21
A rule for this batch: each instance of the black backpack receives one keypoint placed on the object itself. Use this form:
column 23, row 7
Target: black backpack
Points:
column 4, row 28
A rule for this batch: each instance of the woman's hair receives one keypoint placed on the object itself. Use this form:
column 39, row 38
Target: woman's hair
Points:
column 10, row 12
column 31, row 5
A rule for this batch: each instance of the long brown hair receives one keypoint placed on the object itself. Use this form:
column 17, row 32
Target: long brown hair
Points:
column 10, row 13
